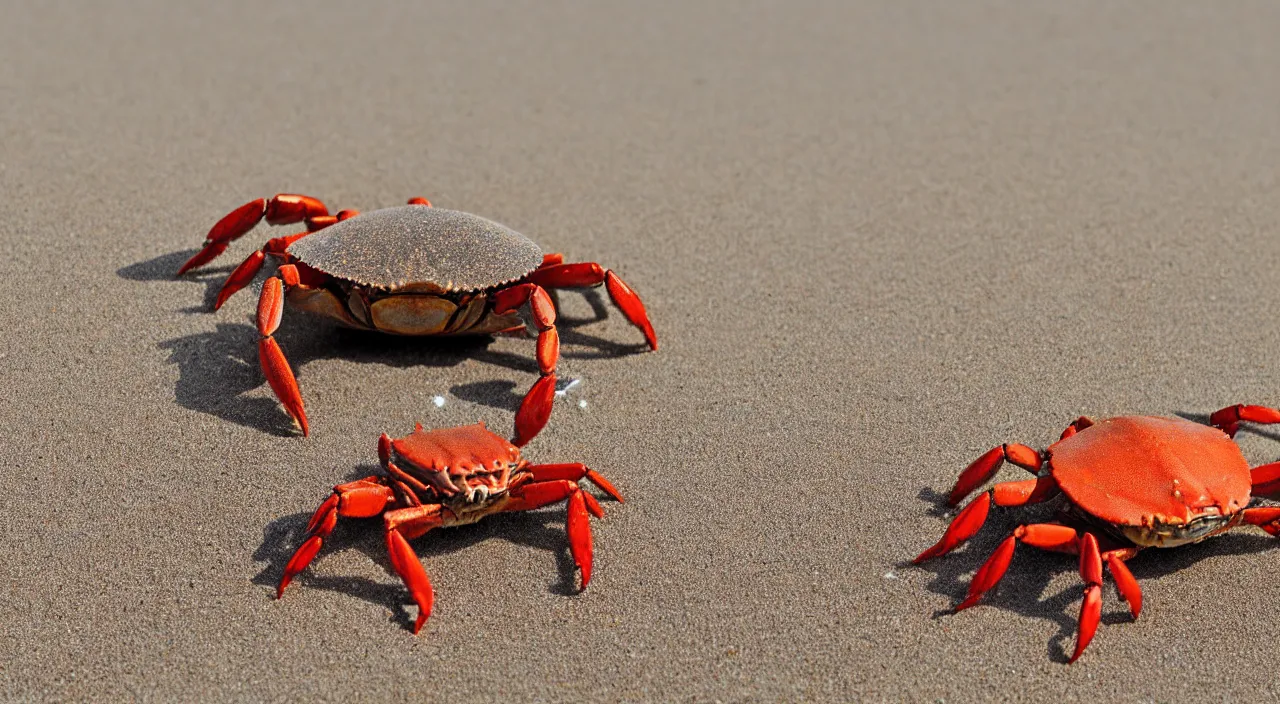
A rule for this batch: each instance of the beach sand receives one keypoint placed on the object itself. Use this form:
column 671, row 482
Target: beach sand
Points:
column 874, row 241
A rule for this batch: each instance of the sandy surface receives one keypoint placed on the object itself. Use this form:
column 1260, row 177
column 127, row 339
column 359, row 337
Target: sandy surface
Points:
column 874, row 243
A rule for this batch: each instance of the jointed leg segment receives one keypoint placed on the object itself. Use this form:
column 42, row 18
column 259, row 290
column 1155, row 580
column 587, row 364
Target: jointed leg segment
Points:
column 535, row 410
column 274, row 365
column 555, row 274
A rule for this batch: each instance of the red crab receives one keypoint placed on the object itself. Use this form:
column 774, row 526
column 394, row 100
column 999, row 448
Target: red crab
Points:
column 451, row 477
column 1130, row 483
column 410, row 270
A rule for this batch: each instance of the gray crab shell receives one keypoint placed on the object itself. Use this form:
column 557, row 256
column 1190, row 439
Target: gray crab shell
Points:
column 415, row 244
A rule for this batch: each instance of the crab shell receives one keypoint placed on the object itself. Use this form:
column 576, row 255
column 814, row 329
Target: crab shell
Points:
column 463, row 465
column 412, row 270
column 1159, row 482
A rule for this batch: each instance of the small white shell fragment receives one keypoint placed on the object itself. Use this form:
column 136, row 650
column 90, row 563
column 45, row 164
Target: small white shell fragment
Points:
column 582, row 403
column 562, row 387
column 439, row 401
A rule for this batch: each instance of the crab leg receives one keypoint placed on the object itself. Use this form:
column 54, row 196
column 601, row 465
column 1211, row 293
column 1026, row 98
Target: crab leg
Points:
column 537, row 494
column 986, row 466
column 590, row 274
column 1046, row 536
column 1060, row 538
column 535, row 410
column 970, row 519
column 573, row 471
column 364, row 498
column 1076, row 426
column 1091, row 607
column 1266, row 479
column 1265, row 517
column 280, row 209
column 401, row 526
column 1229, row 418
column 274, row 365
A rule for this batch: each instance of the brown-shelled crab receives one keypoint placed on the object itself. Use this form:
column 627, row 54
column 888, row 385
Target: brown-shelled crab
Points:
column 407, row 270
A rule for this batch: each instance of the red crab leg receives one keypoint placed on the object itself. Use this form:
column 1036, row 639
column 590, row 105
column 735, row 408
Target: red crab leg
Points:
column 402, row 525
column 1229, row 418
column 1091, row 608
column 587, row 274
column 252, row 264
column 538, row 494
column 573, row 471
column 420, row 201
column 1266, row 479
column 967, row 523
column 280, row 209
column 1265, row 517
column 1125, row 583
column 535, row 409
column 364, row 498
column 1076, row 426
column 274, row 365
column 986, row 466
column 1046, row 536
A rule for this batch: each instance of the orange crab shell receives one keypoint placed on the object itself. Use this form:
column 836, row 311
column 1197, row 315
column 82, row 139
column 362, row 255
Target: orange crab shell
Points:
column 1143, row 470
column 458, row 451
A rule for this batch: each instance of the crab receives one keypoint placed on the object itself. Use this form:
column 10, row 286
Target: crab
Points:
column 1130, row 483
column 451, row 477
column 407, row 270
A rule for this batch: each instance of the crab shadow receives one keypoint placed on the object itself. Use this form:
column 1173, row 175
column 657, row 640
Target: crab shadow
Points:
column 543, row 529
column 1027, row 586
column 217, row 369
column 162, row 268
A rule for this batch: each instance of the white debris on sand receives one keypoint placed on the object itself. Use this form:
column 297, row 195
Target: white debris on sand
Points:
column 438, row 400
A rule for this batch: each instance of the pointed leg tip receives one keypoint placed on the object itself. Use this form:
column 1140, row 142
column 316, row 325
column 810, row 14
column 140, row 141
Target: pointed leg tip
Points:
column 419, row 623
column 926, row 555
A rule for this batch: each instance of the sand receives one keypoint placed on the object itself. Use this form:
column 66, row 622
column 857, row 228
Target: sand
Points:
column 875, row 241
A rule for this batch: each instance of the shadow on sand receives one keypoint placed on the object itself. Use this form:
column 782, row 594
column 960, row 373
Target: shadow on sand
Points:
column 1031, row 571
column 217, row 368
column 543, row 529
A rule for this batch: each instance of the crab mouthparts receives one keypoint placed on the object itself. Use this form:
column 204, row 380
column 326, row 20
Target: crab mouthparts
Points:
column 1167, row 535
